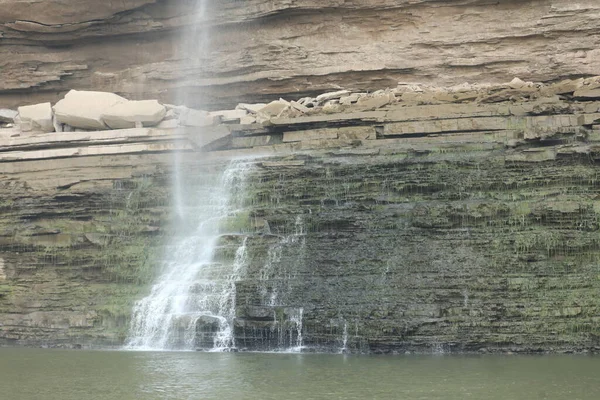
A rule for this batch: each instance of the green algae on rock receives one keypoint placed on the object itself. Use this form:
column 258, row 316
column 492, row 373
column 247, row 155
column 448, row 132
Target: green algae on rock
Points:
column 416, row 227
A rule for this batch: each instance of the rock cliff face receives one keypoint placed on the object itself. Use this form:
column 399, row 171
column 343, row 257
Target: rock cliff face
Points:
column 260, row 50
column 461, row 226
column 419, row 218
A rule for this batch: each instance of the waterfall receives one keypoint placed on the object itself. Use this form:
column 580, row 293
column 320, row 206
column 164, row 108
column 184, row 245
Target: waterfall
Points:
column 271, row 292
column 224, row 338
column 193, row 302
column 193, row 48
column 296, row 320
column 344, row 348
column 274, row 287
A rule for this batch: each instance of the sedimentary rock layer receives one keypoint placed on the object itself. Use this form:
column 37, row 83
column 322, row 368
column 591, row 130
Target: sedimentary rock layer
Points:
column 458, row 227
column 260, row 50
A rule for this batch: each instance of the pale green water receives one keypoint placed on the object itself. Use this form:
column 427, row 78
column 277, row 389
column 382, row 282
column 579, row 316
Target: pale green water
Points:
column 33, row 374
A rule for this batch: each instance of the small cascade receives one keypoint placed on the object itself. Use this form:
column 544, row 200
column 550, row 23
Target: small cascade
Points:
column 224, row 338
column 193, row 302
column 270, row 295
column 344, row 348
column 438, row 348
column 296, row 321
column 273, row 294
column 275, row 277
column 286, row 332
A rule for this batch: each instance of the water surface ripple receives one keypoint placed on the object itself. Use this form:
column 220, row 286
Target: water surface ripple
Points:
column 28, row 374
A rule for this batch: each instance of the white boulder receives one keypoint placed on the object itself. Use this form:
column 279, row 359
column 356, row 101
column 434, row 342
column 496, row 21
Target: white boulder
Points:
column 130, row 114
column 84, row 109
column 37, row 117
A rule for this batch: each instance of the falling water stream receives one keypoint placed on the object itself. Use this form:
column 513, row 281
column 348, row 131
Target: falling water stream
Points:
column 192, row 304
column 344, row 348
column 194, row 288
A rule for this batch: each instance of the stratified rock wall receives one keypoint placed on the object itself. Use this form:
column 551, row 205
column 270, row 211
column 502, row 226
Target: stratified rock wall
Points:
column 258, row 49
column 427, row 250
column 469, row 226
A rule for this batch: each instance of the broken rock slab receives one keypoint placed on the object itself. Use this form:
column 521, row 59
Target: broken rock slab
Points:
column 376, row 101
column 197, row 118
column 322, row 98
column 350, row 99
column 332, row 106
column 274, row 108
column 37, row 117
column 251, row 108
column 308, row 102
column 587, row 94
column 299, row 107
column 84, row 109
column 564, row 87
column 132, row 114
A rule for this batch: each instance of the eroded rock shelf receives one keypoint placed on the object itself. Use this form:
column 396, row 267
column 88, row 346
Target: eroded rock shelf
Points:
column 264, row 50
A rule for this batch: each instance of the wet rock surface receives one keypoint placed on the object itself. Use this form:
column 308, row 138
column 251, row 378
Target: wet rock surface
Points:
column 423, row 225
